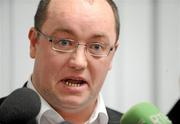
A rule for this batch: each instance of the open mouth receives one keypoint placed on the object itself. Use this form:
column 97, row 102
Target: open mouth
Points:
column 74, row 83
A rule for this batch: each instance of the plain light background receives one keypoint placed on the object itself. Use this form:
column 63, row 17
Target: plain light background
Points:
column 146, row 66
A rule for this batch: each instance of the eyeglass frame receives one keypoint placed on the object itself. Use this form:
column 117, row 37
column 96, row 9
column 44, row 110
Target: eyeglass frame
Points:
column 53, row 38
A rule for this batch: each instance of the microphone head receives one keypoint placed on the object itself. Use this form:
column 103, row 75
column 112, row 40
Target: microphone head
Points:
column 20, row 106
column 144, row 113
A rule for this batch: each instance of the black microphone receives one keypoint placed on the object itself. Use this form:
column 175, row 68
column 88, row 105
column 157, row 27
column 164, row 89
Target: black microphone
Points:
column 32, row 121
column 174, row 113
column 21, row 106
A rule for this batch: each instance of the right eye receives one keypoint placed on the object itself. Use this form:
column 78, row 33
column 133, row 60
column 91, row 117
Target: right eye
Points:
column 64, row 43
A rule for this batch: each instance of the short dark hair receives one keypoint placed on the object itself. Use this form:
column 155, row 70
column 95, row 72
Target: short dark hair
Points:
column 41, row 14
column 116, row 16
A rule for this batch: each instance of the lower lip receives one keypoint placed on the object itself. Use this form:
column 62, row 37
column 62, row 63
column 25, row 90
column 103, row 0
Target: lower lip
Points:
column 71, row 89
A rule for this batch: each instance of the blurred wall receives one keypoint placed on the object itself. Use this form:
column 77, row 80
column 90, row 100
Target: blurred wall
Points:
column 146, row 66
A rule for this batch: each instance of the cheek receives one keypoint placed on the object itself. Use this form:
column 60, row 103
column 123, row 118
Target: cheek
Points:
column 51, row 67
column 47, row 66
column 100, row 70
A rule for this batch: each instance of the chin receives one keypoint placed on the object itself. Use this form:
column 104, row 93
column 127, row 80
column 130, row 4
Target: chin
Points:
column 74, row 103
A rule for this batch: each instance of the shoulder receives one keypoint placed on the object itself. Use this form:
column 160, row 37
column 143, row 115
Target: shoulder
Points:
column 2, row 99
column 174, row 113
column 114, row 116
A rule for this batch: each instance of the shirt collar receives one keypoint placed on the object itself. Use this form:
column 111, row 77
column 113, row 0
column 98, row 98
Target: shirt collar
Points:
column 99, row 115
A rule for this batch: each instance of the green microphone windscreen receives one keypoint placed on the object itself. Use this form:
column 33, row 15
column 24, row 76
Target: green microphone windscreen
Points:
column 144, row 113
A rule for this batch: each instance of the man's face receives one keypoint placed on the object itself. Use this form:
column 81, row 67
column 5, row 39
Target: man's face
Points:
column 72, row 81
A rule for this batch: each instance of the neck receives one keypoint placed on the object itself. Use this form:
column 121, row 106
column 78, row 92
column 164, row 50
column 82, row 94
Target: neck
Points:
column 80, row 116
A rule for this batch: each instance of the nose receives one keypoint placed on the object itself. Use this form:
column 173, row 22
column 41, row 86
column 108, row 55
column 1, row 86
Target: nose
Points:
column 78, row 59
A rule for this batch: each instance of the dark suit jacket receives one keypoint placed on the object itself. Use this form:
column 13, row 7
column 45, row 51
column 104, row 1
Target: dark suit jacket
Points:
column 174, row 114
column 114, row 116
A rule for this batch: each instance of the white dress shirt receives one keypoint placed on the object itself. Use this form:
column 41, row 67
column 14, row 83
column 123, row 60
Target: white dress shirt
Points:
column 48, row 115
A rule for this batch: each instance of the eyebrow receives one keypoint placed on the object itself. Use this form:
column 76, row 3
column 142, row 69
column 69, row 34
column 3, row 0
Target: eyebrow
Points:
column 64, row 30
column 71, row 32
column 101, row 35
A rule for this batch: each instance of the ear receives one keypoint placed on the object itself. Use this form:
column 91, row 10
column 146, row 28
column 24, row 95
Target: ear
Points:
column 33, row 41
column 115, row 48
column 116, row 45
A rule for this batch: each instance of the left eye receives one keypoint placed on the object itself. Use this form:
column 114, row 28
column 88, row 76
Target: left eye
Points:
column 97, row 47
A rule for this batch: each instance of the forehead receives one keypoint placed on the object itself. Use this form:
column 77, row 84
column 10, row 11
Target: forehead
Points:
column 82, row 15
column 75, row 5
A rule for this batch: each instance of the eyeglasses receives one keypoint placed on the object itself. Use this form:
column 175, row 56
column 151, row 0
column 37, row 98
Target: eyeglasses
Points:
column 97, row 49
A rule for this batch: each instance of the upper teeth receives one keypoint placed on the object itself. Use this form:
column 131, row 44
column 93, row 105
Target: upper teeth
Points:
column 72, row 84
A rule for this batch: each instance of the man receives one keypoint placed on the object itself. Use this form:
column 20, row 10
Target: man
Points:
column 73, row 43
